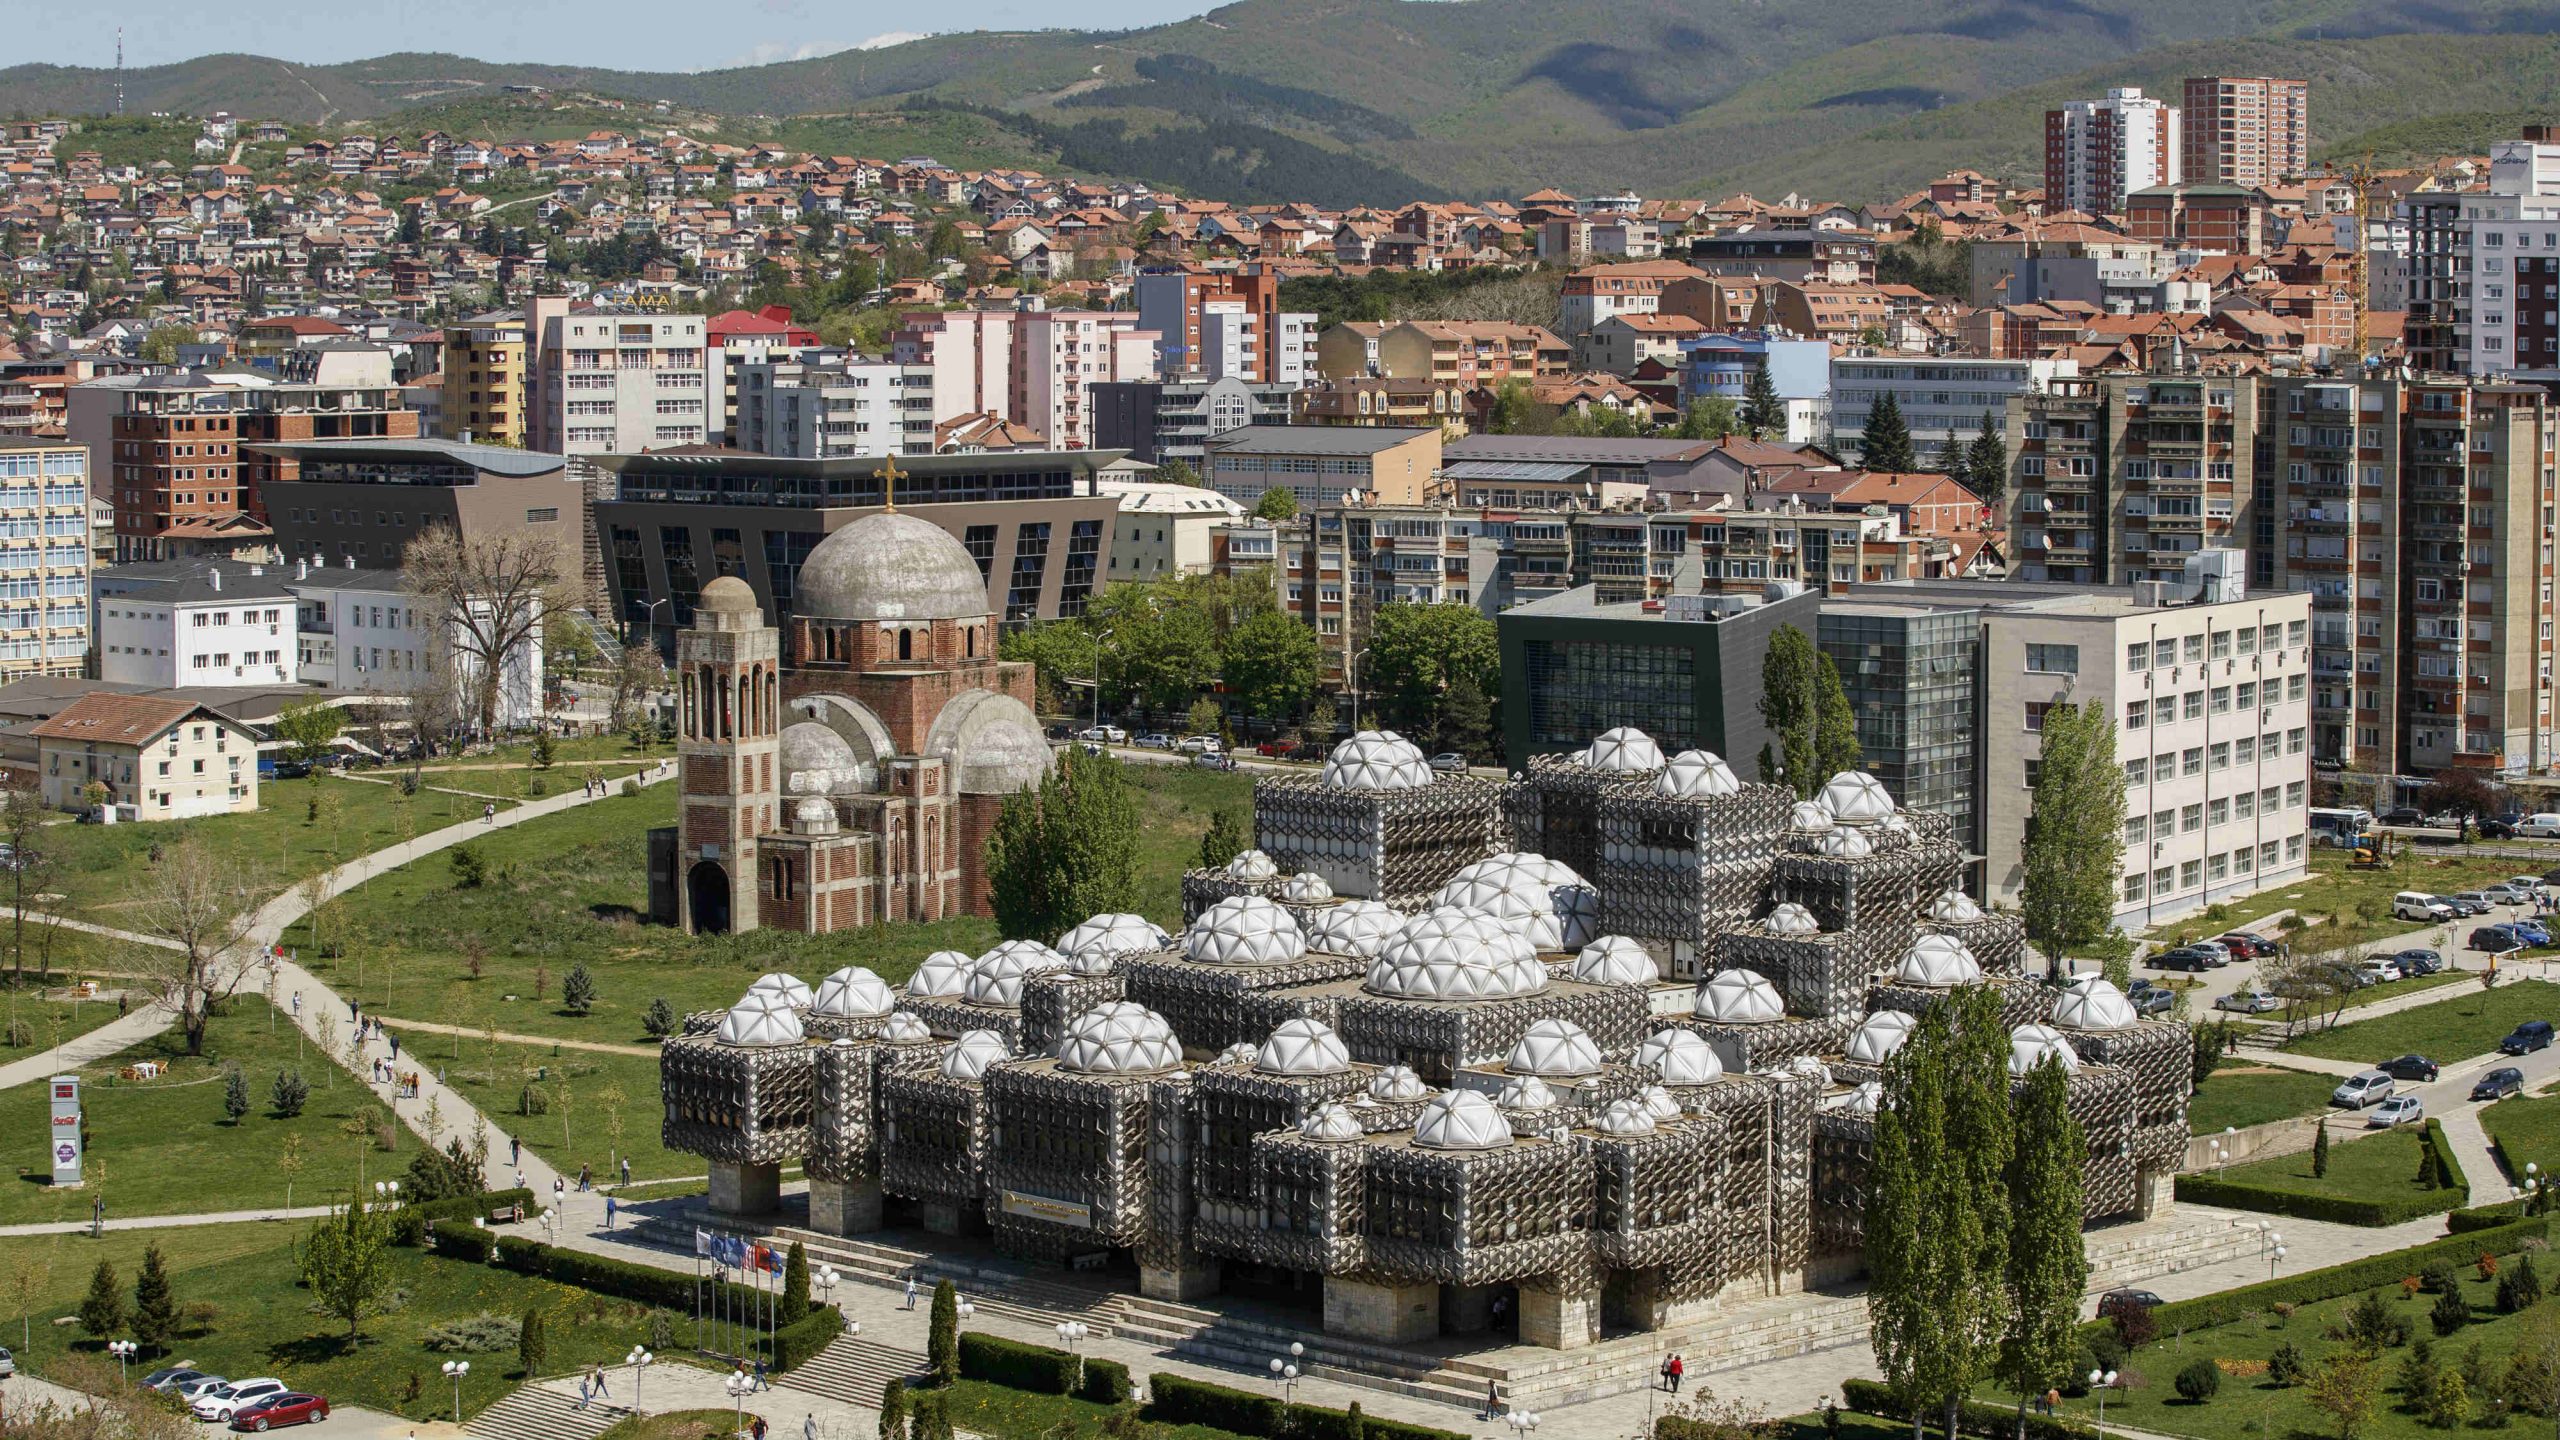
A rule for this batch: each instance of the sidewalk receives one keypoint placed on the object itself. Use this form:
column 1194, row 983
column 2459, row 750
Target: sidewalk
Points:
column 121, row 1033
column 430, row 1027
column 168, row 1222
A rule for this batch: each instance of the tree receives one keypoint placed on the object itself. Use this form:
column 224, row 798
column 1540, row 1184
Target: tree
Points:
column 1061, row 654
column 1466, row 719
column 578, row 990
column 1322, row 720
column 288, row 1094
column 1886, row 445
column 1807, row 712
column 308, row 730
column 1987, row 462
column 1065, row 851
column 102, row 1311
column 161, row 344
column 22, row 812
column 532, row 1349
column 1269, row 664
column 659, row 1020
column 795, row 1286
column 1515, row 411
column 1223, row 841
column 2320, row 1151
column 2048, row 1264
column 2197, row 1381
column 2075, row 832
column 933, row 1418
column 637, row 674
column 2460, row 792
column 942, row 1335
column 893, row 1410
column 155, row 1306
column 1174, row 470
column 2451, row 1311
column 1204, row 717
column 235, row 1094
column 347, row 1262
column 1763, row 413
column 440, row 1174
column 1277, row 503
column 2345, row 1388
column 1417, row 651
column 1950, row 460
column 490, row 598
column 1709, row 417
column 200, row 902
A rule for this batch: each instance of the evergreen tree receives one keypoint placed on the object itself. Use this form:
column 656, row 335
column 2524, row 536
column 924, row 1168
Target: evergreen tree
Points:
column 1066, row 851
column 102, row 1311
column 155, row 1308
column 531, row 1350
column 1987, row 462
column 1835, row 737
column 2048, row 1266
column 289, row 1094
column 795, row 1286
column 2320, row 1152
column 235, row 1094
column 1466, row 718
column 1223, row 841
column 893, row 1410
column 1950, row 460
column 1887, row 443
column 578, row 990
column 933, row 1418
column 1763, row 413
column 2075, row 832
column 659, row 1020
column 942, row 1336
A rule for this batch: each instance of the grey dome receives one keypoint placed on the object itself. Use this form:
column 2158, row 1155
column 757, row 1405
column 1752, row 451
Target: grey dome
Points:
column 890, row 567
column 1680, row 1057
column 2092, row 1002
column 853, row 993
column 794, row 990
column 996, row 980
column 1954, row 907
column 728, row 595
column 1461, row 1120
column 969, row 1056
column 1303, row 1047
column 813, row 748
column 991, row 741
column 1554, row 1049
column 1119, row 1039
column 1354, row 927
column 1880, row 1036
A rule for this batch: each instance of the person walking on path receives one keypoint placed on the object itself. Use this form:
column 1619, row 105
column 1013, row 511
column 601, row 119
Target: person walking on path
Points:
column 584, row 1395
column 911, row 1292
column 626, row 1170
column 297, row 1004
column 395, row 1044
column 809, row 1427
column 600, row 1390
column 1492, row 1402
column 608, row 1212
column 489, row 813
column 1678, row 1369
column 761, row 1382
column 515, row 1154
column 585, row 1183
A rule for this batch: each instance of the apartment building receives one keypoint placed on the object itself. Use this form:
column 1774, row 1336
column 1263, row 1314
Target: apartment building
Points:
column 484, row 380
column 159, row 758
column 1165, row 529
column 1450, row 352
column 2484, row 277
column 1594, row 293
column 167, row 623
column 2247, row 130
column 1721, row 366
column 1320, row 464
column 1836, row 257
column 611, row 381
column 44, row 557
column 1940, row 395
column 1332, row 567
column 2096, row 152
column 738, row 338
column 1159, row 420
column 2200, row 215
column 1036, row 368
column 1217, row 323
column 1381, row 400
column 2123, row 479
column 830, row 404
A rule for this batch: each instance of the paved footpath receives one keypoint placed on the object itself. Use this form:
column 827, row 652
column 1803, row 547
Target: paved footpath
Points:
column 168, row 1222
column 121, row 1033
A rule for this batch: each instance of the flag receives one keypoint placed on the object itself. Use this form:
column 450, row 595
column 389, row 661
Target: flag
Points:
column 701, row 1241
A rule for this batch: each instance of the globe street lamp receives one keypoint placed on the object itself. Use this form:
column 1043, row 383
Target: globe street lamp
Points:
column 454, row 1370
column 2100, row 1380
column 639, row 1360
column 738, row 1385
column 550, row 1225
column 826, row 1280
column 966, row 1310
column 1521, row 1421
column 387, row 1193
column 123, row 1350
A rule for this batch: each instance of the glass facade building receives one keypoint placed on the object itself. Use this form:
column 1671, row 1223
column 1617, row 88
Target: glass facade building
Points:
column 1912, row 676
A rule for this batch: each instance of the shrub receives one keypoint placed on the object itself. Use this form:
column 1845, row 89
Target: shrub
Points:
column 486, row 1333
column 794, row 1306
column 1018, row 1366
column 578, row 990
column 2199, row 1380
column 2519, row 1287
column 2135, row 1327
column 2372, row 1326
column 933, row 1412
column 2438, row 1278
column 2287, row 1367
column 1869, row 1397
column 1180, row 1401
column 288, row 1094
column 2451, row 1311
column 2337, row 1209
column 631, row 785
column 2223, row 1307
column 531, row 1101
column 659, row 1020
column 470, row 867
column 235, row 1094
column 893, row 1410
column 942, row 1335
column 1106, row 1382
column 2448, row 1401
column 794, row 1344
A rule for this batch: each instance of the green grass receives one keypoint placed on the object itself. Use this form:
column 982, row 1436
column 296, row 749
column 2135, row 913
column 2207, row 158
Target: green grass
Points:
column 588, row 1077
column 2523, row 1130
column 2466, row 1023
column 2343, row 906
column 262, row 1325
column 2248, row 1406
column 530, row 784
column 1176, row 802
column 167, row 1148
column 681, row 1425
column 2240, row 1094
column 59, row 1265
column 52, row 1018
column 2378, row 1167
column 999, row 1410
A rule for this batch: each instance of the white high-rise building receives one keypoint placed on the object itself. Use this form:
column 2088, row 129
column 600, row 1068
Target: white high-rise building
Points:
column 2096, row 152
column 611, row 382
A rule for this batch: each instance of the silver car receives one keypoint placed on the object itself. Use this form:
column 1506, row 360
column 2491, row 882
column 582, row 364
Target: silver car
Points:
column 2365, row 1087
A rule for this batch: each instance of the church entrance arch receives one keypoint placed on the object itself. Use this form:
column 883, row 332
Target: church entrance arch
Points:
column 707, row 888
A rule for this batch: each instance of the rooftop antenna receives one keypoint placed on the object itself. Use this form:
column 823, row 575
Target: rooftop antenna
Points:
column 119, row 70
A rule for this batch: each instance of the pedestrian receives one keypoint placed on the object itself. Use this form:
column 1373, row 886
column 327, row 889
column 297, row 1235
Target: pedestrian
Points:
column 120, row 1002
column 1662, row 1374
column 515, row 1155
column 608, row 1212
column 355, row 1010
column 584, row 1183
column 911, row 1292
column 519, row 1179
column 626, row 1169
column 600, row 1384
column 761, row 1382
column 1678, row 1369
column 584, row 1395
column 489, row 813
column 757, row 1429
column 1492, row 1401
column 809, row 1427
column 297, row 1004
column 395, row 1045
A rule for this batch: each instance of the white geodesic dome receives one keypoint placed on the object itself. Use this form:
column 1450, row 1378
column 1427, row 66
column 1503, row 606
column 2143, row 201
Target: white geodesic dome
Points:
column 1615, row 960
column 1557, row 908
column 1302, row 1047
column 1660, row 1102
column 1354, row 927
column 904, row 1028
column 2092, row 1002
column 1245, row 930
column 1122, row 1038
column 1113, row 936
column 943, row 975
column 1845, row 842
column 1526, row 1092
column 1880, row 1035
column 1739, row 997
column 1896, row 823
column 1855, row 797
column 1447, row 954
column 1460, row 1120
column 1679, row 1057
column 761, row 1017
column 853, row 993
column 1331, row 1122
column 1697, row 775
column 791, row 988
column 1397, row 1082
column 1626, row 1119
column 2031, row 1045
column 997, row 978
column 1938, row 961
column 971, row 1054
column 1864, row 1101
column 1554, row 1049
column 1252, row 867
column 1812, row 1068
column 1790, row 918
column 1954, row 907
column 1809, row 816
column 1625, row 751
column 1377, row 760
column 1306, row 888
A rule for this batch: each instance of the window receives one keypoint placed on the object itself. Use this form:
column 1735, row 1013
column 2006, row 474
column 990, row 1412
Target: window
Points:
column 2137, row 829
column 2053, row 659
column 2221, row 811
column 2133, row 884
column 2192, row 761
column 2137, row 656
column 2221, row 644
column 2136, row 771
column 2190, row 819
column 2137, row 714
column 2190, row 875
column 2192, row 705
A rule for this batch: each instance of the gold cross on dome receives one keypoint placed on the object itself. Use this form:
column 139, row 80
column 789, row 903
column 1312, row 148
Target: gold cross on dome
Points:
column 889, row 475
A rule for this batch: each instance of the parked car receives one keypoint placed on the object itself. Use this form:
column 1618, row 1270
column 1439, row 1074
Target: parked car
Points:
column 2150, row 999
column 2530, row 884
column 291, row 1408
column 2408, row 1067
column 189, row 1390
column 224, row 1401
column 2497, row 829
column 2249, row 1002
column 2403, row 815
column 1158, row 741
column 2213, row 950
column 2498, row 1084
column 1106, row 734
column 1213, row 761
column 2379, row 972
column 2118, row 1302
column 2365, row 1087
column 2245, row 945
column 2531, row 932
column 2398, row 1110
column 171, row 1377
column 1449, row 762
column 2542, row 826
column 2419, row 905
column 1272, row 749
column 8, row 1363
column 2496, row 939
column 2505, row 894
column 2418, row 962
column 1200, row 745
column 1094, row 747
column 2477, row 902
column 2526, row 1038
column 2185, row 957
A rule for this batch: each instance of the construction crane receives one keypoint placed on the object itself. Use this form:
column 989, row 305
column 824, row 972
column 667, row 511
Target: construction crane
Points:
column 2359, row 282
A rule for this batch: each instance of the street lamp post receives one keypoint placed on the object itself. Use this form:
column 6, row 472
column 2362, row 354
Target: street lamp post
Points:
column 1351, row 677
column 1521, row 1422
column 2099, row 1381
column 1098, row 637
column 123, row 1350
column 454, row 1370
column 386, row 1193
column 738, row 1385
column 639, row 1360
column 826, row 1280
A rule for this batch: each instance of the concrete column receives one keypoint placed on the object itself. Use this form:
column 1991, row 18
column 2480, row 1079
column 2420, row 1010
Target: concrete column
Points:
column 1197, row 1279
column 745, row 1189
column 1466, row 1309
column 1388, row 1311
column 2155, row 1192
column 844, row 1207
column 1557, row 1319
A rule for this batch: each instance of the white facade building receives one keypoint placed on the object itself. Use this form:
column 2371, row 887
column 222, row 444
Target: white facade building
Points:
column 610, row 382
column 1940, row 395
column 1165, row 529
column 2099, row 151
column 824, row 407
column 1032, row 367
column 44, row 557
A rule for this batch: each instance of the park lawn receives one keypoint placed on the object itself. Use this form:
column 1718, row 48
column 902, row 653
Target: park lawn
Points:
column 566, row 752
column 1175, row 805
column 524, row 784
column 2465, row 1023
column 164, row 1146
column 52, row 1018
column 683, row 1425
column 263, row 1325
column 61, row 1263
column 103, row 871
column 2370, row 1167
column 583, row 1135
column 2249, row 1407
column 988, row 1409
column 2359, row 900
column 2523, row 1130
column 2239, row 1094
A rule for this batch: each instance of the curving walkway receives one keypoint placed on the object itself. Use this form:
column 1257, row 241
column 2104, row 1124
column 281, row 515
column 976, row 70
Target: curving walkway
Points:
column 121, row 1033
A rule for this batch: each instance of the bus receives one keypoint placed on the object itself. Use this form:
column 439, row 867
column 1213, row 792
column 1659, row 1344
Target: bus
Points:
column 2338, row 828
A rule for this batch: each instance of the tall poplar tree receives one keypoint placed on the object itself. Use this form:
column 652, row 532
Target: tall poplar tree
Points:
column 1066, row 851
column 2048, row 1267
column 1813, row 730
column 1887, row 443
column 2075, row 832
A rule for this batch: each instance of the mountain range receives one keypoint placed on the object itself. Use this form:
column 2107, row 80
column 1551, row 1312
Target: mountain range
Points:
column 1344, row 101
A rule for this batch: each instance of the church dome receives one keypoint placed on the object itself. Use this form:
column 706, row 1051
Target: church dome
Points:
column 1112, row 936
column 888, row 566
column 1879, row 1036
column 1937, row 961
column 2092, row 1002
column 1855, row 797
column 853, row 993
column 1954, row 907
column 761, row 1018
column 1554, row 1049
column 728, row 595
column 1461, row 1120
column 1680, row 1057
column 970, row 1055
column 1245, row 930
column 1739, row 997
column 997, row 977
column 813, row 748
column 1625, row 751
column 943, row 975
column 1354, row 927
column 1789, row 918
column 1447, row 954
column 1614, row 960
column 1119, row 1039
column 1377, row 760
column 1696, row 775
column 1303, row 1047
column 2029, row 1045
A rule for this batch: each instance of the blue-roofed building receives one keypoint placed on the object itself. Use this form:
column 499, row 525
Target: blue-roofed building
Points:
column 1720, row 366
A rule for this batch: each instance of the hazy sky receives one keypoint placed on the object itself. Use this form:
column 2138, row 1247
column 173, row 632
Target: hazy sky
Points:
column 625, row 34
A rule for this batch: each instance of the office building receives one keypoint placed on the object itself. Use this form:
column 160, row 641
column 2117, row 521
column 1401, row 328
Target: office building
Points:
column 738, row 338
column 1165, row 529
column 44, row 557
column 612, row 381
column 359, row 502
column 2246, row 130
column 1172, row 419
column 1720, row 367
column 824, row 405
column 484, row 380
column 2096, row 152
column 1686, row 671
column 1912, row 674
column 1320, row 464
column 1941, row 396
column 2121, row 479
column 2484, row 266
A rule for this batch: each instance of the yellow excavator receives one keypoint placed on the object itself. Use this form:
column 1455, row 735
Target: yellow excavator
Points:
column 2373, row 851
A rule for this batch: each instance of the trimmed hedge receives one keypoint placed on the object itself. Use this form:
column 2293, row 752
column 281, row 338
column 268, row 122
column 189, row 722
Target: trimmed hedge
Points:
column 2447, row 1167
column 1018, row 1366
column 1373, row 1428
column 2371, row 1214
column 2483, row 1217
column 2370, row 1272
column 1869, row 1397
column 802, row 1338
column 1106, row 1382
column 1180, row 1401
column 667, row 1289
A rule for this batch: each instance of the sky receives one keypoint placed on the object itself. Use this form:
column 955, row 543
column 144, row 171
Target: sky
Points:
column 621, row 34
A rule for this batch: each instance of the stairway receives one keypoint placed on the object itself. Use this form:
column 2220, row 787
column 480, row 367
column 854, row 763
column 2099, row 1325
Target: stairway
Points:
column 855, row 1371
column 535, row 1412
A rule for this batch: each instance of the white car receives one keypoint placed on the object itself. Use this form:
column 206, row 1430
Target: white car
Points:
column 2380, row 972
column 2398, row 1110
column 1199, row 745
column 1107, row 734
column 2249, row 1002
column 222, row 1401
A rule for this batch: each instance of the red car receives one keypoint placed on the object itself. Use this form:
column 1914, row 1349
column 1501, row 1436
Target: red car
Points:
column 2246, row 946
column 290, row 1408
